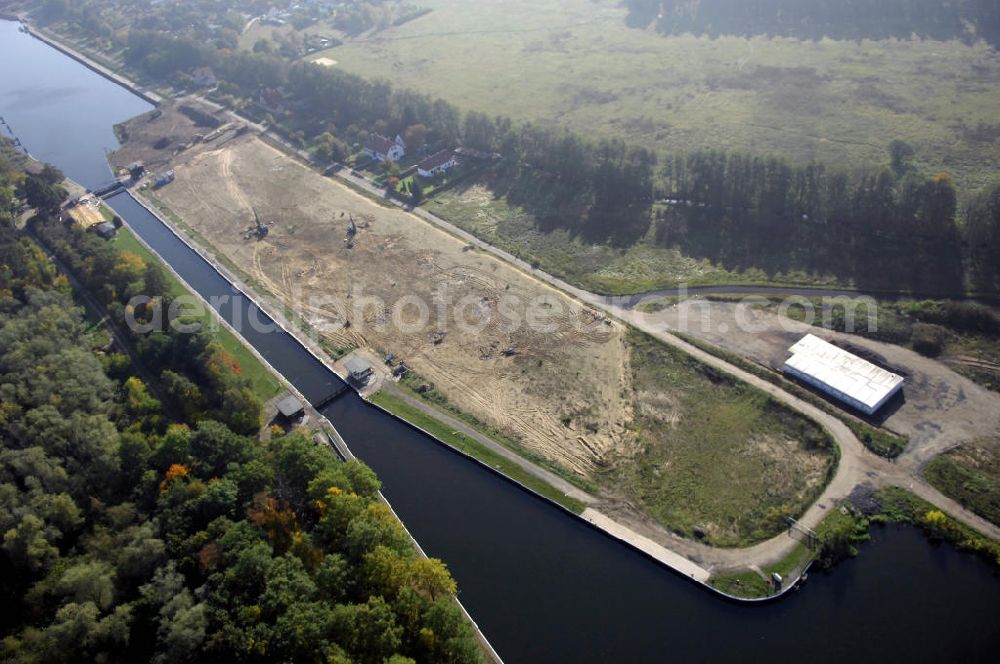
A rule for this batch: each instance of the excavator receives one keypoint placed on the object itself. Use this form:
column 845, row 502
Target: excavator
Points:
column 262, row 228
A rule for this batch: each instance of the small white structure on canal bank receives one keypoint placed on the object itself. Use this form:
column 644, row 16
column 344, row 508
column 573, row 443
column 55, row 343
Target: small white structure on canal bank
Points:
column 844, row 376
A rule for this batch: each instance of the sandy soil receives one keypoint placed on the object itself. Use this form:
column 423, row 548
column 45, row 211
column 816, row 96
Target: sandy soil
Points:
column 161, row 137
column 356, row 297
column 551, row 374
column 87, row 212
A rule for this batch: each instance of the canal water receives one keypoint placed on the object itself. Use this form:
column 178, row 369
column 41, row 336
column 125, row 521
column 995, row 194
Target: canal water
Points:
column 543, row 586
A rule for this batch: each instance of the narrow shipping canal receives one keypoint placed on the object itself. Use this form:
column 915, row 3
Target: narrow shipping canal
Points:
column 543, row 586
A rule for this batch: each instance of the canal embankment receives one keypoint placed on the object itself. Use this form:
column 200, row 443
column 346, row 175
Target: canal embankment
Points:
column 42, row 35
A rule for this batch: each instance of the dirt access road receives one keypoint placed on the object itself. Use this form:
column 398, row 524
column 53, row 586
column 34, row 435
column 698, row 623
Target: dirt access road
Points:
column 857, row 464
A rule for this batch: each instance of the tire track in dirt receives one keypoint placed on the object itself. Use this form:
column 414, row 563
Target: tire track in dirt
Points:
column 226, row 173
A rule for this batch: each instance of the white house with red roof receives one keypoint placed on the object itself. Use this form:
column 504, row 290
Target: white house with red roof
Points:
column 379, row 147
column 204, row 77
column 439, row 162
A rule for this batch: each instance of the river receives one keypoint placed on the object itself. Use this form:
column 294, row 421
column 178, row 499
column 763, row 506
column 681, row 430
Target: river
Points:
column 542, row 585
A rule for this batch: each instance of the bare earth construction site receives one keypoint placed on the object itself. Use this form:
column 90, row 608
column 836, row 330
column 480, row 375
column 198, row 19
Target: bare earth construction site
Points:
column 386, row 291
column 604, row 405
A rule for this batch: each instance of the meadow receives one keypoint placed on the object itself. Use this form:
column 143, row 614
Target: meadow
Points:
column 970, row 474
column 717, row 460
column 576, row 64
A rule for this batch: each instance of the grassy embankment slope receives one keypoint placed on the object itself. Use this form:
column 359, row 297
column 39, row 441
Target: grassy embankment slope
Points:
column 473, row 448
column 971, row 475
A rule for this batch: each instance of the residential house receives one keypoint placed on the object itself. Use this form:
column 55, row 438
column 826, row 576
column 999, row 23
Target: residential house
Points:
column 271, row 100
column 379, row 147
column 204, row 77
column 439, row 162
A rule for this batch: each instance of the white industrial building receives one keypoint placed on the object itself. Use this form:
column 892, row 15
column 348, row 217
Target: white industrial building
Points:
column 845, row 376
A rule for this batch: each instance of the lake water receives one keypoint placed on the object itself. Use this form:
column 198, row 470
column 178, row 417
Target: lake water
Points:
column 542, row 585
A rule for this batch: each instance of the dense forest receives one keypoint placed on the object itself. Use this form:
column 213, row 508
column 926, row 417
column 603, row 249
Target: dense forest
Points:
column 138, row 522
column 889, row 228
column 967, row 20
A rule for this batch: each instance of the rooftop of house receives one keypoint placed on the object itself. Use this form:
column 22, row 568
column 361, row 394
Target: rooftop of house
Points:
column 436, row 160
column 378, row 144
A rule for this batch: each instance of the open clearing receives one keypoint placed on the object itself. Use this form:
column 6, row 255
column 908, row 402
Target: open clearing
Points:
column 87, row 212
column 616, row 410
column 305, row 264
column 164, row 136
column 576, row 63
column 700, row 428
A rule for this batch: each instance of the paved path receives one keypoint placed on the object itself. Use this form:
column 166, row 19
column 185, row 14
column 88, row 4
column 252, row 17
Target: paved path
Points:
column 648, row 546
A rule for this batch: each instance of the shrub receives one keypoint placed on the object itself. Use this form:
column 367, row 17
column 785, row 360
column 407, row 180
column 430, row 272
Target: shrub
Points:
column 928, row 339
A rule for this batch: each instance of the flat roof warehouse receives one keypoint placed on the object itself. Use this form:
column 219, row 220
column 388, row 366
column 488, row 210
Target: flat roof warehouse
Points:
column 845, row 376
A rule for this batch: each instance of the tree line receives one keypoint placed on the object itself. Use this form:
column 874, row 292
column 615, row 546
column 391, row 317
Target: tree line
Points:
column 132, row 529
column 886, row 229
column 967, row 20
column 891, row 228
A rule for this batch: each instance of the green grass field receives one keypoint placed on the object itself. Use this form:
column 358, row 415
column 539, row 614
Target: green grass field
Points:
column 717, row 458
column 576, row 64
column 265, row 384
